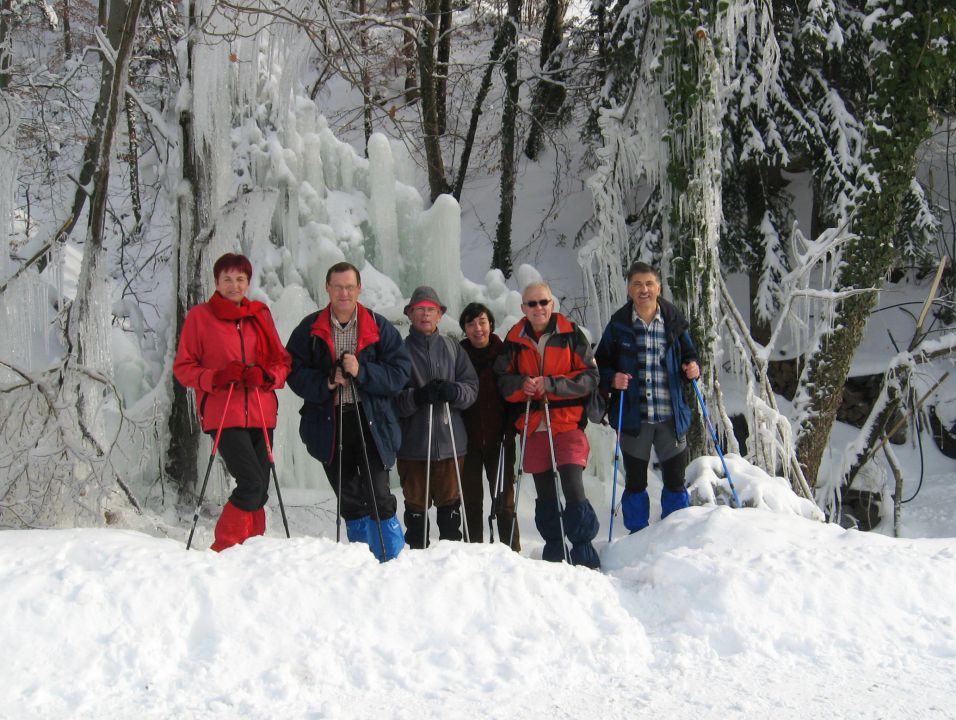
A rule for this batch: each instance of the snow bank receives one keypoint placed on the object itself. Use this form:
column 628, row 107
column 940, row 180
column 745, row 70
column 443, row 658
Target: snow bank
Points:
column 712, row 613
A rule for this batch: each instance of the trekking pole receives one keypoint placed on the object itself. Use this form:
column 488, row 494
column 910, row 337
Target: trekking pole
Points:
column 454, row 453
column 499, row 490
column 338, row 491
column 272, row 464
column 557, row 480
column 368, row 466
column 524, row 441
column 212, row 456
column 617, row 457
column 428, row 475
column 713, row 435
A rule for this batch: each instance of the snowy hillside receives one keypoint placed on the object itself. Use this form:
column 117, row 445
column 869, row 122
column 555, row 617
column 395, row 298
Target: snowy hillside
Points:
column 714, row 613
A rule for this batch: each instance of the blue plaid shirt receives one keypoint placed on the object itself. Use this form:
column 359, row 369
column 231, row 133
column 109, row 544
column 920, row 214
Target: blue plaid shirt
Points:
column 655, row 394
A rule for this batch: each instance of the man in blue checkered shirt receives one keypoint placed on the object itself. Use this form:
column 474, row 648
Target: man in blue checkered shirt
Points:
column 644, row 353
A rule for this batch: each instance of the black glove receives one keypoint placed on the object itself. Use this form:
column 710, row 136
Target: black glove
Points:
column 335, row 366
column 425, row 395
column 445, row 390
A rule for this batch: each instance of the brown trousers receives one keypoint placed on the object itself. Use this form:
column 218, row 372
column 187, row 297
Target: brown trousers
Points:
column 483, row 462
column 442, row 485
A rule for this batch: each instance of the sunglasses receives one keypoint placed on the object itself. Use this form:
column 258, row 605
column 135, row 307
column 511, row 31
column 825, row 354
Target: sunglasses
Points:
column 535, row 303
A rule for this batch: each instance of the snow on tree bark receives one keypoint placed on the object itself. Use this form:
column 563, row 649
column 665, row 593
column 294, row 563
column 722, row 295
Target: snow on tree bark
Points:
column 911, row 63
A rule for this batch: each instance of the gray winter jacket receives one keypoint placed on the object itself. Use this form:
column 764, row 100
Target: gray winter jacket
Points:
column 435, row 357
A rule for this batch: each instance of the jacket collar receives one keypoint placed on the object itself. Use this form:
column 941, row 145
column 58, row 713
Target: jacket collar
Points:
column 368, row 333
column 522, row 332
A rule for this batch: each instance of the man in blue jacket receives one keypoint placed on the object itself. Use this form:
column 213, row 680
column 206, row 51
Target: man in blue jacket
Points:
column 350, row 362
column 644, row 353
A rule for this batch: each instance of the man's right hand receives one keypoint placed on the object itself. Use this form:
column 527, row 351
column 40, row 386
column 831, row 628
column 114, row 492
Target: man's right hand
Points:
column 337, row 377
column 620, row 381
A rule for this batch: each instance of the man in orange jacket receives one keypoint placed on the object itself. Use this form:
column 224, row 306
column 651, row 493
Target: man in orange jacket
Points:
column 548, row 368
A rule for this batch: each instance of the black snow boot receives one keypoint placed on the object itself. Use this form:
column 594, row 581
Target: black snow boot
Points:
column 415, row 529
column 549, row 525
column 581, row 525
column 449, row 522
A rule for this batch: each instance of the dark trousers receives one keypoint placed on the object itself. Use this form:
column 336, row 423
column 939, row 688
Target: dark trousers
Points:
column 244, row 452
column 479, row 463
column 672, row 472
column 572, row 484
column 356, row 494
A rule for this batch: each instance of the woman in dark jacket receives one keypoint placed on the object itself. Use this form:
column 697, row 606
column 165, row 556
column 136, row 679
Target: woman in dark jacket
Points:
column 489, row 432
column 231, row 341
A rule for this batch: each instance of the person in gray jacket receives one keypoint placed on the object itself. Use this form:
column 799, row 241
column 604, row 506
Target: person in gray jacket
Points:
column 443, row 383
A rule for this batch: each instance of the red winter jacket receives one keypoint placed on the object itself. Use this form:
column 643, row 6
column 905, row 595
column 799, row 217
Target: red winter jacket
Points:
column 208, row 344
column 568, row 366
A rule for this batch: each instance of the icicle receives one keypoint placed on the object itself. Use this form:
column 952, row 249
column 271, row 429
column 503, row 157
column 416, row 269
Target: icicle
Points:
column 382, row 210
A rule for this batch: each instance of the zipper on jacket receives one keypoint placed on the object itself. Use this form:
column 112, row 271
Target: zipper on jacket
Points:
column 245, row 390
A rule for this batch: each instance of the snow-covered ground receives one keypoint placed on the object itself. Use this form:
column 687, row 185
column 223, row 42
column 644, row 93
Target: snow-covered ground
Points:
column 712, row 613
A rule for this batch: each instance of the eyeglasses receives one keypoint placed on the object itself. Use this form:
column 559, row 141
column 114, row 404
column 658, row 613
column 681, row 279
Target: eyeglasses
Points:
column 535, row 303
column 344, row 288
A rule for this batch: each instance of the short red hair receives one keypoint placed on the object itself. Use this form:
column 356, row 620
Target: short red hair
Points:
column 232, row 261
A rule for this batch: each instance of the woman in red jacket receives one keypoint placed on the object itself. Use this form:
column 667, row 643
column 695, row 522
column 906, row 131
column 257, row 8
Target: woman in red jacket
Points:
column 232, row 341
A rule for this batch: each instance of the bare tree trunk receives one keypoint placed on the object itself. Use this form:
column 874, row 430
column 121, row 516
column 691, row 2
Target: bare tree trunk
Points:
column 549, row 93
column 441, row 69
column 133, row 160
column 67, row 32
column 194, row 213
column 501, row 37
column 408, row 52
column 112, row 92
column 112, row 24
column 431, row 130
column 6, row 8
column 501, row 255
column 359, row 7
column 695, row 208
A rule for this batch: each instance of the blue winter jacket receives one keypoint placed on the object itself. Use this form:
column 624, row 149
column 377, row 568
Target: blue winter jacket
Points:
column 384, row 369
column 617, row 352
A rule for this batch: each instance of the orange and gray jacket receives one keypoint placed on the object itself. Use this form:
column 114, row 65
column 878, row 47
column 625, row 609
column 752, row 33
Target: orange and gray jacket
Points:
column 563, row 356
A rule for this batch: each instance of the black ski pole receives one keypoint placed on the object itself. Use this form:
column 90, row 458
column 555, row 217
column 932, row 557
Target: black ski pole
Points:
column 212, row 456
column 368, row 466
column 428, row 474
column 272, row 464
column 338, row 492
column 524, row 442
column 454, row 455
column 496, row 499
